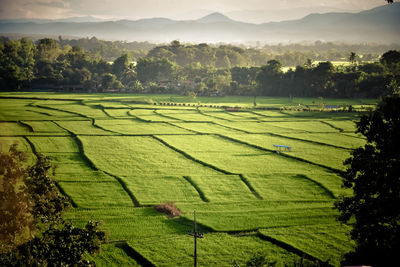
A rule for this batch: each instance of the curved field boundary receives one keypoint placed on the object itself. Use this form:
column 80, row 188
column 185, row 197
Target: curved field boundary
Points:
column 354, row 136
column 247, row 183
column 327, row 191
column 94, row 167
column 125, row 187
column 136, row 117
column 215, row 117
column 308, row 141
column 33, row 148
column 62, row 110
column 60, row 189
column 38, row 112
column 290, row 248
column 104, row 129
column 105, row 112
column 232, row 128
column 183, row 128
column 166, row 116
column 198, row 189
column 281, row 154
column 27, row 126
column 262, row 115
column 334, row 127
column 186, row 155
column 131, row 252
column 244, row 180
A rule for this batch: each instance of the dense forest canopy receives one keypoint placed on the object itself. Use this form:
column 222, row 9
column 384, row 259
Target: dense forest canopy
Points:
column 202, row 69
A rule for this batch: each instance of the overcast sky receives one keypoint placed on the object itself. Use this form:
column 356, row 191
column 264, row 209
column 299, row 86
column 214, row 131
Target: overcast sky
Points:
column 175, row 9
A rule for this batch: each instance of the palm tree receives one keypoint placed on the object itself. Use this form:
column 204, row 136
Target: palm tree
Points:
column 352, row 58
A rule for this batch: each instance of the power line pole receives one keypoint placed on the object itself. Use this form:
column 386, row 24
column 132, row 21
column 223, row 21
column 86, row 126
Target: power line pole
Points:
column 196, row 235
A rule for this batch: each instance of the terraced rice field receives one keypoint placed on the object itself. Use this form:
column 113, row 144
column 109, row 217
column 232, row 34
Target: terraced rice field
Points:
column 116, row 156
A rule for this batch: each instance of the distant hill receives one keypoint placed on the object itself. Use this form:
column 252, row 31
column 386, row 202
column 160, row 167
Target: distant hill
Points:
column 215, row 17
column 70, row 19
column 378, row 25
column 263, row 16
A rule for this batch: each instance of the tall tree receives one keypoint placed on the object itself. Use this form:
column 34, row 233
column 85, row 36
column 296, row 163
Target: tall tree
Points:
column 16, row 222
column 352, row 57
column 32, row 229
column 373, row 174
column 269, row 78
column 121, row 65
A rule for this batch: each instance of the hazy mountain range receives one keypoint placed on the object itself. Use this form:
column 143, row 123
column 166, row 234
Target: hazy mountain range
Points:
column 263, row 16
column 379, row 25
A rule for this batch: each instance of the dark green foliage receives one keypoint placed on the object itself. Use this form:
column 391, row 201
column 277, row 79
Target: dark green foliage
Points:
column 307, row 263
column 203, row 69
column 48, row 205
column 17, row 62
column 391, row 57
column 160, row 69
column 260, row 259
column 16, row 222
column 32, row 229
column 64, row 245
column 121, row 65
column 373, row 175
column 269, row 78
column 109, row 81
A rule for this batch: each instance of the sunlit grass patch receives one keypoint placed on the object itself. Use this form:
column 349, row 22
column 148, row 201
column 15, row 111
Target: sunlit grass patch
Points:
column 45, row 127
column 114, row 255
column 347, row 125
column 250, row 215
column 329, row 156
column 240, row 158
column 83, row 127
column 126, row 223
column 334, row 139
column 185, row 115
column 149, row 115
column 54, row 144
column 215, row 249
column 118, row 113
column 106, row 104
column 222, row 188
column 256, row 127
column 22, row 144
column 206, row 127
column 80, row 109
column 97, row 194
column 327, row 242
column 305, row 126
column 277, row 186
column 156, row 189
column 14, row 128
column 231, row 116
column 139, row 127
column 132, row 156
column 270, row 113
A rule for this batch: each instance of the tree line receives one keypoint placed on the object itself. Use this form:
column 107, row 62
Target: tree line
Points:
column 199, row 69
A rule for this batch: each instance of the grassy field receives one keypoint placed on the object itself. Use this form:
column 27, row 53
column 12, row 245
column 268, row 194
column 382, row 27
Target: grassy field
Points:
column 118, row 155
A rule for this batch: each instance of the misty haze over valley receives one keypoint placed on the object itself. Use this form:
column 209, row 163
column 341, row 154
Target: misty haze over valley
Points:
column 377, row 25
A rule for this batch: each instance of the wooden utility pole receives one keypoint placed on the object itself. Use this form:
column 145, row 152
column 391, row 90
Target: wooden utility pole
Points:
column 196, row 235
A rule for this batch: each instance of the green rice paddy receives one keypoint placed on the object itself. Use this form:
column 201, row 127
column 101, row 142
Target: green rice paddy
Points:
column 118, row 155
